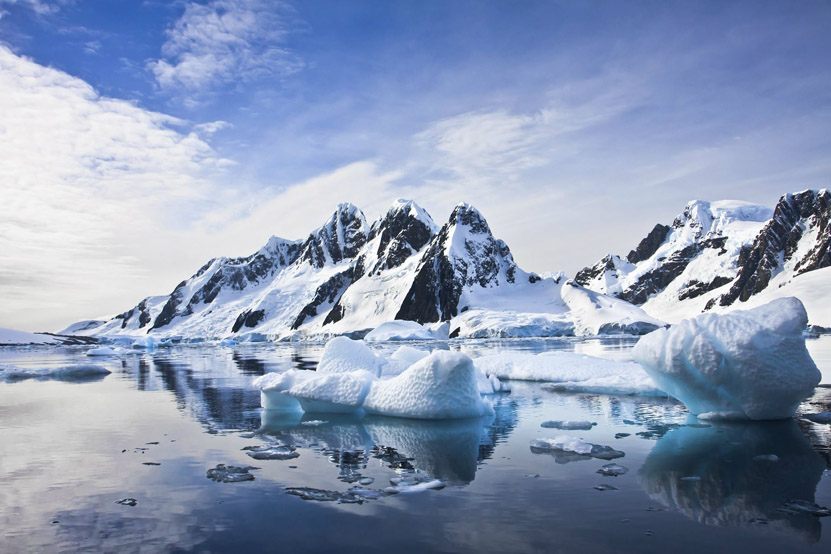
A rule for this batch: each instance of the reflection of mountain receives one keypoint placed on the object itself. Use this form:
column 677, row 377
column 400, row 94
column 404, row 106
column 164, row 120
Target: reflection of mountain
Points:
column 739, row 483
column 447, row 450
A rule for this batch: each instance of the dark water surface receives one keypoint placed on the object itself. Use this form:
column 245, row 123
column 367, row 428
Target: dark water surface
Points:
column 69, row 451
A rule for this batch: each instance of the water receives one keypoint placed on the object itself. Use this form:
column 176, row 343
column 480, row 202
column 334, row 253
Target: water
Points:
column 71, row 451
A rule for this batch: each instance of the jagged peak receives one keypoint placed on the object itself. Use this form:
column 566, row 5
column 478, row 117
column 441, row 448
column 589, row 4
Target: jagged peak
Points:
column 467, row 215
column 412, row 209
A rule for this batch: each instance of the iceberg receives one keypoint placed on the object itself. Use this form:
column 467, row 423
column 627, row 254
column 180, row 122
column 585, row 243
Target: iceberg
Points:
column 407, row 330
column 571, row 372
column 745, row 364
column 102, row 351
column 441, row 386
column 333, row 393
column 273, row 387
column 344, row 355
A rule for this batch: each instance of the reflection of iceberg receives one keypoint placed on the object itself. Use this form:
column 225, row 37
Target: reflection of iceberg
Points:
column 740, row 483
column 446, row 450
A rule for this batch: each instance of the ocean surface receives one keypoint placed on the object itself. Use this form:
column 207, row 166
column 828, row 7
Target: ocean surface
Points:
column 123, row 464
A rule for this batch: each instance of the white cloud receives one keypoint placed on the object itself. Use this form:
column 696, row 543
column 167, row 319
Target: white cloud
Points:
column 89, row 188
column 225, row 41
column 40, row 7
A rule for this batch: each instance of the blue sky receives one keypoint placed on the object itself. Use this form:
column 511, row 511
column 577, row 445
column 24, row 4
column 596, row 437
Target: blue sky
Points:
column 143, row 138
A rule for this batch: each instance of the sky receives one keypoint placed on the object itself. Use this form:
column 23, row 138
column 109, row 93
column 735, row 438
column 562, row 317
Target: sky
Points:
column 138, row 139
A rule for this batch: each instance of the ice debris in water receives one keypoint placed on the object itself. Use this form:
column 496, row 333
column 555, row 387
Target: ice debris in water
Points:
column 743, row 364
column 405, row 487
column 441, row 386
column 271, row 452
column 612, row 470
column 230, row 474
column 333, row 393
column 564, row 443
column 313, row 423
column 79, row 372
column 102, row 351
column 127, row 501
column 579, row 425
column 822, row 417
column 605, row 487
column 794, row 507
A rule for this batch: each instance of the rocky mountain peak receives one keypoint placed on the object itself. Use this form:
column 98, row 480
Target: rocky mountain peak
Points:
column 340, row 238
column 403, row 230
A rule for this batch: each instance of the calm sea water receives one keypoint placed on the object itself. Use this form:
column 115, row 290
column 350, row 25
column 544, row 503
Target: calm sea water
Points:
column 153, row 429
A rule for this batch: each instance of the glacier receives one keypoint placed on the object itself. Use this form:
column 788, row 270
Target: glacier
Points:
column 749, row 364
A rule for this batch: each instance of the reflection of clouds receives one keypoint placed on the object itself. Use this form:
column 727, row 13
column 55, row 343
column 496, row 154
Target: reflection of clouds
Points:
column 737, row 487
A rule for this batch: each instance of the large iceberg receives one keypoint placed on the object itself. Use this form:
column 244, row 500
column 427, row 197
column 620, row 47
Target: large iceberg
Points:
column 744, row 364
column 273, row 388
column 334, row 392
column 344, row 355
column 441, row 386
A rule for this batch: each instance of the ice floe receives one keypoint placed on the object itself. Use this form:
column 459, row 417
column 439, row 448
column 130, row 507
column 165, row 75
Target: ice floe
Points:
column 744, row 364
column 102, row 351
column 230, row 474
column 578, row 425
column 78, row 372
column 334, row 392
column 441, row 386
column 613, row 470
column 569, row 371
column 572, row 445
column 271, row 452
column 401, row 330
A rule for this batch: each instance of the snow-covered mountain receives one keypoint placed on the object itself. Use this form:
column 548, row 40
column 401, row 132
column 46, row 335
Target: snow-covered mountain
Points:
column 719, row 255
column 348, row 277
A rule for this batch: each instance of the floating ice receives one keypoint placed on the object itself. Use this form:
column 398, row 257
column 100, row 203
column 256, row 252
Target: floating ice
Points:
column 407, row 330
column 343, row 355
column 333, row 393
column 567, row 444
column 605, row 487
column 568, row 425
column 401, row 359
column 412, row 488
column 271, row 452
column 230, row 474
column 441, row 386
column 127, row 501
column 795, row 507
column 570, row 371
column 312, row 422
column 228, row 342
column 744, row 364
column 322, row 495
column 273, row 386
column 79, row 372
column 613, row 470
column 145, row 343
column 102, row 351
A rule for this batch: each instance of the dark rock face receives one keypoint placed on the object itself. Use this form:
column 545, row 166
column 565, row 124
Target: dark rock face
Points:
column 169, row 309
column 141, row 310
column 649, row 245
column 443, row 274
column 340, row 238
column 401, row 235
column 589, row 274
column 327, row 293
column 696, row 288
column 792, row 217
column 248, row 318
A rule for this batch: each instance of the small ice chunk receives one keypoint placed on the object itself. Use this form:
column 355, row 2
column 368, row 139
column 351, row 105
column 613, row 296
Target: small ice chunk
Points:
column 578, row 425
column 405, row 488
column 344, row 355
column 366, row 481
column 271, row 452
column 322, row 495
column 313, row 423
column 334, row 392
column 743, row 364
column 369, row 494
column 102, row 351
column 230, row 474
column 612, row 470
column 440, row 386
column 127, row 501
column 565, row 443
column 228, row 342
column 766, row 458
column 605, row 487
column 145, row 343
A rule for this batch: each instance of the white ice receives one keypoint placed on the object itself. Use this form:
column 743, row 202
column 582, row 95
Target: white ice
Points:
column 570, row 371
column 744, row 364
column 102, row 351
column 79, row 372
column 344, row 355
column 441, row 386
column 334, row 392
column 407, row 330
column 273, row 387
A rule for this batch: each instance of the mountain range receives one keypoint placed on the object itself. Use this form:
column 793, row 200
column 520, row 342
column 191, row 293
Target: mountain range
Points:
column 350, row 276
